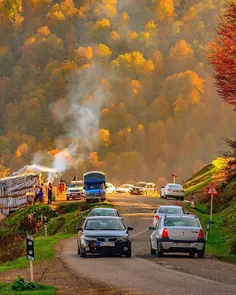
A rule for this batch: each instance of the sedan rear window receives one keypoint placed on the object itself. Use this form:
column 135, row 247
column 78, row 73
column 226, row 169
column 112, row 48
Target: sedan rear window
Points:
column 104, row 224
column 103, row 213
column 175, row 186
column 181, row 221
column 169, row 210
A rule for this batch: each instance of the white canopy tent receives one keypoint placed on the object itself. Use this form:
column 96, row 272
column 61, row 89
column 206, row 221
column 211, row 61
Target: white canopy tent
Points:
column 35, row 169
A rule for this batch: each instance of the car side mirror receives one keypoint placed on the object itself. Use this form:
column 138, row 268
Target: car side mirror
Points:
column 79, row 228
column 130, row 228
column 151, row 228
column 83, row 187
column 187, row 213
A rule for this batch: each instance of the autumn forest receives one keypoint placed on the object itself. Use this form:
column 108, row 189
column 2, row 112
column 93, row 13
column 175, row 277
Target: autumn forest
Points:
column 122, row 86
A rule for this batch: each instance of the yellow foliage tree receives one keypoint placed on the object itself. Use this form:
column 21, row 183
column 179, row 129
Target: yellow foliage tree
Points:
column 132, row 35
column 163, row 9
column 4, row 172
column 103, row 51
column 114, row 36
column 125, row 16
column 105, row 136
column 136, row 87
column 83, row 55
column 151, row 25
column 102, row 24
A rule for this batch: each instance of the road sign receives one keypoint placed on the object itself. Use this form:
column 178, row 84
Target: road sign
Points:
column 212, row 191
column 30, row 248
column 174, row 174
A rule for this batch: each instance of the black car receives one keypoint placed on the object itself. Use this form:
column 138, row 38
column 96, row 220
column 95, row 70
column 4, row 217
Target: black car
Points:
column 102, row 235
column 139, row 189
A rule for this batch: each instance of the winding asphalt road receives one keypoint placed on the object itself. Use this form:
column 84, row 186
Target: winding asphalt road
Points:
column 146, row 274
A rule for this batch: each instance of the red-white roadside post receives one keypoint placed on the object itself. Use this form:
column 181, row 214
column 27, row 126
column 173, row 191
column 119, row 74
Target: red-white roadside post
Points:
column 212, row 191
column 174, row 176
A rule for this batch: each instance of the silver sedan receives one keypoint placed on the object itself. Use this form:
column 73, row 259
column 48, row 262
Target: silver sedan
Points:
column 177, row 233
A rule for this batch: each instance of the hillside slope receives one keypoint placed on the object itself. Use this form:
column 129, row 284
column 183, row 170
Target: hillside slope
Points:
column 212, row 172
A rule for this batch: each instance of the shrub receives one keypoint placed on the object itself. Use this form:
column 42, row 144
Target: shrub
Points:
column 11, row 246
column 20, row 285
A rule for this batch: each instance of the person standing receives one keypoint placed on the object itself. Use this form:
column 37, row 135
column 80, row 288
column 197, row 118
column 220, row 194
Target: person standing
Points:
column 50, row 193
column 40, row 193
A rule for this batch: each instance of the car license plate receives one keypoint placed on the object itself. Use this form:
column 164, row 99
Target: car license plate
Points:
column 182, row 244
column 107, row 244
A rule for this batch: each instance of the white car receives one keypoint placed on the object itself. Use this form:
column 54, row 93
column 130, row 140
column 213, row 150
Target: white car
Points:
column 163, row 210
column 173, row 190
column 75, row 190
column 110, row 188
column 124, row 188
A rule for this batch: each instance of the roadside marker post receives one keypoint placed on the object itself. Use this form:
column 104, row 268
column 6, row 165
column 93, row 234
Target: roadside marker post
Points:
column 174, row 176
column 30, row 254
column 211, row 191
column 45, row 225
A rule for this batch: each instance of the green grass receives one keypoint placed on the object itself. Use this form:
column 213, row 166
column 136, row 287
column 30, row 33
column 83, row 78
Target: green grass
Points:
column 46, row 290
column 44, row 250
column 219, row 238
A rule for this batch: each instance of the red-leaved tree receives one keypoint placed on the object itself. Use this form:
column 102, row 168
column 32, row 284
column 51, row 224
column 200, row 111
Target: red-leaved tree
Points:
column 223, row 56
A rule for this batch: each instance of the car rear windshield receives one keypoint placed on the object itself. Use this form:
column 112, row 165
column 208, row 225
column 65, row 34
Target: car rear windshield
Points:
column 175, row 186
column 104, row 224
column 99, row 212
column 170, row 210
column 181, row 221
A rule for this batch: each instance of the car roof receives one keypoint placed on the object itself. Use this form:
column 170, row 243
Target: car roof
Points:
column 104, row 217
column 150, row 183
column 127, row 184
column 173, row 184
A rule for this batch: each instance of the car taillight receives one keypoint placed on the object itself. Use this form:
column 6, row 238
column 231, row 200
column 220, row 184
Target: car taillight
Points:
column 156, row 217
column 200, row 234
column 165, row 233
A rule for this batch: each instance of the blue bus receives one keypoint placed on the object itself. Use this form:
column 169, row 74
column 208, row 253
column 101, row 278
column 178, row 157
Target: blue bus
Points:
column 95, row 186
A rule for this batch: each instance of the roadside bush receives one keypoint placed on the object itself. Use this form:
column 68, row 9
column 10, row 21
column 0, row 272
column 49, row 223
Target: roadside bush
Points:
column 20, row 285
column 72, row 220
column 68, row 207
column 28, row 220
column 11, row 246
column 55, row 225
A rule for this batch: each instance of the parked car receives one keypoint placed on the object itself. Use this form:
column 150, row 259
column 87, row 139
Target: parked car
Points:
column 104, row 236
column 151, row 188
column 110, row 188
column 75, row 190
column 163, row 210
column 139, row 189
column 103, row 212
column 177, row 233
column 124, row 188
column 173, row 190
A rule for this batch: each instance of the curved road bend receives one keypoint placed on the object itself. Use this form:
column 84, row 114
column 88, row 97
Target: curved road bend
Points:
column 146, row 274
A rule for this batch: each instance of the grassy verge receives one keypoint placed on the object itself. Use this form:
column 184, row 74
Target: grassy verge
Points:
column 46, row 290
column 44, row 250
column 219, row 237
